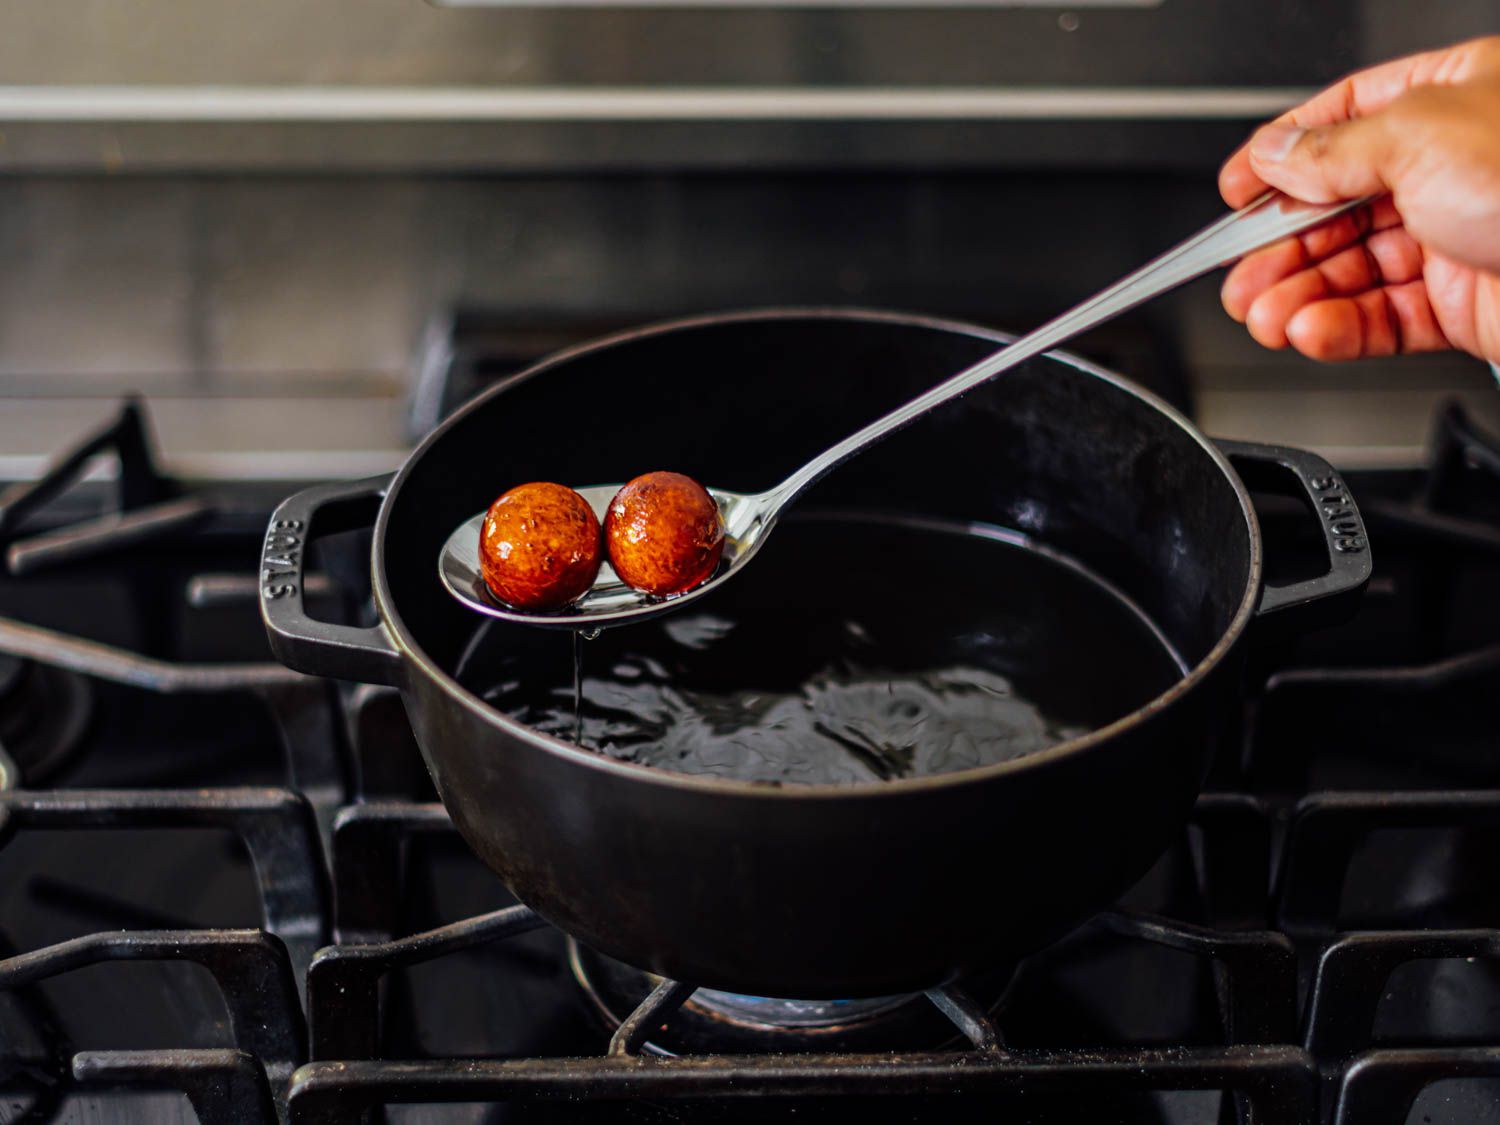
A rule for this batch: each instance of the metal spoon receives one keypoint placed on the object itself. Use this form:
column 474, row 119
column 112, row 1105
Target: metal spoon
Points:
column 749, row 519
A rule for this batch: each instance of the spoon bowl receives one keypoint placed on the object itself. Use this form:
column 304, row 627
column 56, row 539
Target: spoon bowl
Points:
column 747, row 521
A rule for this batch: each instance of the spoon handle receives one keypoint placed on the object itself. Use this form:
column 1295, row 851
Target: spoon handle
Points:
column 1269, row 219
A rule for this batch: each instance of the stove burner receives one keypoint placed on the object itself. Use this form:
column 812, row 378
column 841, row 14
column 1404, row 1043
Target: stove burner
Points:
column 44, row 711
column 717, row 1022
column 771, row 1013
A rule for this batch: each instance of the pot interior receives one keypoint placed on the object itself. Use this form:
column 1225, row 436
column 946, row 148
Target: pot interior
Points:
column 857, row 648
column 1054, row 451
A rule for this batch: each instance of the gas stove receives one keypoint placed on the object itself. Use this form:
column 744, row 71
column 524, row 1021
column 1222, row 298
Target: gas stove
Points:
column 227, row 891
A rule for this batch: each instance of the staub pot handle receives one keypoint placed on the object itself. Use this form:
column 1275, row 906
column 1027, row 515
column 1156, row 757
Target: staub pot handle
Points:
column 321, row 648
column 1335, row 594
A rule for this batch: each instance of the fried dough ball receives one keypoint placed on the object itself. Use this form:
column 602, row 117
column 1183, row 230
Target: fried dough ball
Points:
column 540, row 547
column 664, row 533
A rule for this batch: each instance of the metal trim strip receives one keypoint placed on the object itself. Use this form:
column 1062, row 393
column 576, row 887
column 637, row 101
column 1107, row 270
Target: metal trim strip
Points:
column 251, row 104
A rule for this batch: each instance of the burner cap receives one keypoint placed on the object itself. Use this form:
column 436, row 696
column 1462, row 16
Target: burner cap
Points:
column 43, row 713
column 713, row 1022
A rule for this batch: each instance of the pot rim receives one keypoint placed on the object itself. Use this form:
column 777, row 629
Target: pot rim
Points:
column 422, row 664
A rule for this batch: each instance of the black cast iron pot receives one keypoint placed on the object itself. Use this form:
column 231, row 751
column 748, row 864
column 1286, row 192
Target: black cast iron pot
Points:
column 813, row 891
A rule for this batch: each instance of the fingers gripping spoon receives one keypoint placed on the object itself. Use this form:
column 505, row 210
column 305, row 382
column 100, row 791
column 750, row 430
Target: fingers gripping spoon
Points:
column 749, row 518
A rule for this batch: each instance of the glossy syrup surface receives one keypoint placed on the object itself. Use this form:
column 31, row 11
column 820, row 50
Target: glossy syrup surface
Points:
column 856, row 648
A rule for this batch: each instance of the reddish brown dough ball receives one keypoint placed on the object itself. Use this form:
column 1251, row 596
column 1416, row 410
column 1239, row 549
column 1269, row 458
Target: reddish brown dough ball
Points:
column 663, row 533
column 539, row 547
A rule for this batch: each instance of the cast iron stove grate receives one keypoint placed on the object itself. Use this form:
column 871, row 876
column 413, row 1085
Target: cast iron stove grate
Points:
column 1323, row 945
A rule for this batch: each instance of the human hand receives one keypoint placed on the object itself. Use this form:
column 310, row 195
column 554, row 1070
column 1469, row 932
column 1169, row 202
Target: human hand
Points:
column 1416, row 271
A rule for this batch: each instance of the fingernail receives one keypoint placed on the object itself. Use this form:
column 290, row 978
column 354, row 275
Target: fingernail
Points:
column 1275, row 142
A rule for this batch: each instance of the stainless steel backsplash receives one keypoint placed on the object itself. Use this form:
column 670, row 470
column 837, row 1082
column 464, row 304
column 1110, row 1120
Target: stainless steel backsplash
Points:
column 90, row 85
column 205, row 278
column 252, row 200
column 409, row 43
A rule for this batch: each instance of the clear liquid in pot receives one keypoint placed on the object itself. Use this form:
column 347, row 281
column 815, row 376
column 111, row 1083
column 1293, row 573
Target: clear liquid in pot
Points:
column 854, row 648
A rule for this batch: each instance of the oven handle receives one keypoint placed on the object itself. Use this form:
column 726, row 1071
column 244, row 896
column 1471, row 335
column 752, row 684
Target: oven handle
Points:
column 321, row 648
column 1336, row 593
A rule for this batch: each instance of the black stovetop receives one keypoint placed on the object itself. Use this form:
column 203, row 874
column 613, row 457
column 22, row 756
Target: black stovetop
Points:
column 213, row 870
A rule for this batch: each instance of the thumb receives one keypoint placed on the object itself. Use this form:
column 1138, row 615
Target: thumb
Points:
column 1329, row 162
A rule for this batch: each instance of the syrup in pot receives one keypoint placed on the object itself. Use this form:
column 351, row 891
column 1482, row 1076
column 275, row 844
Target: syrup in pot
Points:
column 856, row 648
